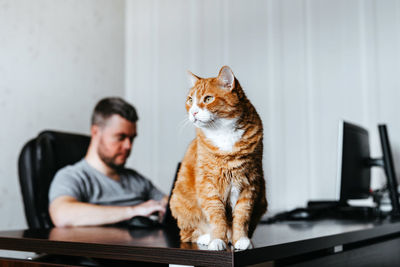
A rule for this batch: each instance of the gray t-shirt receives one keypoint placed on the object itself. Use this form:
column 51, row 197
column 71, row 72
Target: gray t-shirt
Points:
column 87, row 184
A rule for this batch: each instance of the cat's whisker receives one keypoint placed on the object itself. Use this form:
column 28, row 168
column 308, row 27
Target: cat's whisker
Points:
column 184, row 121
column 183, row 124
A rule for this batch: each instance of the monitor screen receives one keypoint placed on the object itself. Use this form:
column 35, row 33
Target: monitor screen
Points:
column 354, row 173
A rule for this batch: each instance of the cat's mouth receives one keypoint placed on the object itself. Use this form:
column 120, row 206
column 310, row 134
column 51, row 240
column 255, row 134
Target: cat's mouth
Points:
column 202, row 123
column 197, row 122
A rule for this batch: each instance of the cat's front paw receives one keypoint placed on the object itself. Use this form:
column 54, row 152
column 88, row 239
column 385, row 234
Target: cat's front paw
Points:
column 243, row 243
column 204, row 239
column 217, row 244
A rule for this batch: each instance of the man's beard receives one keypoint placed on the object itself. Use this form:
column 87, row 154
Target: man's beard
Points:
column 110, row 161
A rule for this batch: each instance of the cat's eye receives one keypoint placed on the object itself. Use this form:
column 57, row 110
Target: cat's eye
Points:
column 189, row 101
column 208, row 99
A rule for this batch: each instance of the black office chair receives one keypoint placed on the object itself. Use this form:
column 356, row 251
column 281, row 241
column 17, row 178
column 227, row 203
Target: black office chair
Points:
column 38, row 162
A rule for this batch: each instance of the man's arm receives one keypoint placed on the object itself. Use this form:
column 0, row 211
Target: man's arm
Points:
column 67, row 211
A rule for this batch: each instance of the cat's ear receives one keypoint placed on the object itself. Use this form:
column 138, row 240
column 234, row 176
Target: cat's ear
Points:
column 192, row 78
column 226, row 78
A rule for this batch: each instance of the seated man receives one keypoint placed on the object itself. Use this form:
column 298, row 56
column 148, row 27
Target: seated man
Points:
column 98, row 189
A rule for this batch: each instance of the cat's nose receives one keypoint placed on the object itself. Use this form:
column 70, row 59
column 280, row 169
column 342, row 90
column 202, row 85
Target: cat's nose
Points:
column 194, row 113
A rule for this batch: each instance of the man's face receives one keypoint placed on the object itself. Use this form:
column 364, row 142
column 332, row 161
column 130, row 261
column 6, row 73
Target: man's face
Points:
column 115, row 141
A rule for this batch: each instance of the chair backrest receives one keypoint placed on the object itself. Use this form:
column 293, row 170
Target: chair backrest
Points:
column 38, row 162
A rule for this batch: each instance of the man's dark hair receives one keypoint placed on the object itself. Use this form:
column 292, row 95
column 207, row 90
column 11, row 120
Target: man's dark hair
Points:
column 109, row 106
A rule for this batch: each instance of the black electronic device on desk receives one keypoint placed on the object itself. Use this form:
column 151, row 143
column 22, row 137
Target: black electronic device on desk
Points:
column 315, row 211
column 154, row 220
column 353, row 180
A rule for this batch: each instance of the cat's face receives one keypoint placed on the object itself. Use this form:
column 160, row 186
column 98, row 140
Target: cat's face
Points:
column 212, row 99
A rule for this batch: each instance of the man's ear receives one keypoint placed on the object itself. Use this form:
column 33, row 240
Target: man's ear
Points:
column 94, row 130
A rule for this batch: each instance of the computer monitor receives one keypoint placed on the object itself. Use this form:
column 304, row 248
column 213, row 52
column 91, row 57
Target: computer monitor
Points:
column 354, row 171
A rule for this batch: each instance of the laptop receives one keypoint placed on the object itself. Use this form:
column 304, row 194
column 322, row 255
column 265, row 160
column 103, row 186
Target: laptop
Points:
column 153, row 220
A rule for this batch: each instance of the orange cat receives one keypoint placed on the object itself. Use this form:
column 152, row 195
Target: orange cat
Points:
column 219, row 195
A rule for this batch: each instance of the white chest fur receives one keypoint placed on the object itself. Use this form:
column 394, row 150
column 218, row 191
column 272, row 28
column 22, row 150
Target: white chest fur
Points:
column 234, row 196
column 224, row 134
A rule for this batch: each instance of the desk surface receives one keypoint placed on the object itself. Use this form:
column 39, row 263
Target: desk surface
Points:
column 271, row 242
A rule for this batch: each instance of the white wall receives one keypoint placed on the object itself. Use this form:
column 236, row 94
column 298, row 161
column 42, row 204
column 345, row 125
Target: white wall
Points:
column 57, row 59
column 304, row 64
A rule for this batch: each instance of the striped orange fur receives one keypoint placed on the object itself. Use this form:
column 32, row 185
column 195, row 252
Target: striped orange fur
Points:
column 223, row 164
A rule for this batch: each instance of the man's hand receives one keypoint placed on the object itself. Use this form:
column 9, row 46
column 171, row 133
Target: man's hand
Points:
column 149, row 207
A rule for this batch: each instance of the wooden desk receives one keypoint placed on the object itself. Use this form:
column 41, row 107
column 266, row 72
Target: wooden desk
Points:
column 321, row 243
